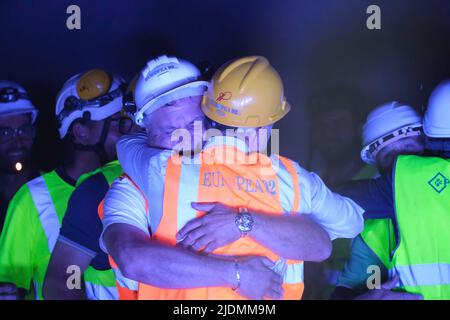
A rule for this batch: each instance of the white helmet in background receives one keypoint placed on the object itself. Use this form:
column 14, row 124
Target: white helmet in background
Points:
column 163, row 80
column 93, row 95
column 14, row 100
column 386, row 124
column 436, row 122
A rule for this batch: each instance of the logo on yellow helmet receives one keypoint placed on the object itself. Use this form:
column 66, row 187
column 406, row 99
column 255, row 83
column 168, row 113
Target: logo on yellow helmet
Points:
column 227, row 95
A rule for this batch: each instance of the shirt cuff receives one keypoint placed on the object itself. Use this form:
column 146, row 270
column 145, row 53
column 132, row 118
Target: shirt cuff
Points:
column 77, row 246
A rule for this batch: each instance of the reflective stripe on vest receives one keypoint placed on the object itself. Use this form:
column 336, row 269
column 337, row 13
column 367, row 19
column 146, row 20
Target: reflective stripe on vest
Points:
column 50, row 224
column 46, row 210
column 189, row 180
column 287, row 173
column 422, row 274
column 209, row 182
column 422, row 207
column 293, row 272
column 100, row 292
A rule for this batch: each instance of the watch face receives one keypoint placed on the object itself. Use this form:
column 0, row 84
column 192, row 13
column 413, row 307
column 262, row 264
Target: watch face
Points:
column 244, row 222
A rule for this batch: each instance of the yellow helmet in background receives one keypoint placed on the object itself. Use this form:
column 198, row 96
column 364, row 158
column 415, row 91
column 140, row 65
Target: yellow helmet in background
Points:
column 94, row 95
column 246, row 92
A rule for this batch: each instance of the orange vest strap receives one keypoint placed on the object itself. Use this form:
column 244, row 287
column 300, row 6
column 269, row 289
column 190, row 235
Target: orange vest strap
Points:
column 167, row 229
column 100, row 209
column 293, row 173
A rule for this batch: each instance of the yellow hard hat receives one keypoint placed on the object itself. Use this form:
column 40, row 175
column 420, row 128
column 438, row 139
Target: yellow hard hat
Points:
column 93, row 84
column 246, row 92
column 94, row 95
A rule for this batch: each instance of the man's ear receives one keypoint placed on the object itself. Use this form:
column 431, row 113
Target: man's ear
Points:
column 81, row 133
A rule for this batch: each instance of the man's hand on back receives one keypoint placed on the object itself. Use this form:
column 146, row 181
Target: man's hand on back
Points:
column 386, row 293
column 217, row 228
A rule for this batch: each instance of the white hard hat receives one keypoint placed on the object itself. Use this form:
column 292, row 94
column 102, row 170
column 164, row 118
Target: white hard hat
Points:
column 163, row 80
column 386, row 124
column 14, row 100
column 94, row 95
column 436, row 122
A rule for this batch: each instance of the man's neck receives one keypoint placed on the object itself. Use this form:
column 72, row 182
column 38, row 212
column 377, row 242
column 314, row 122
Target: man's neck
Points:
column 82, row 163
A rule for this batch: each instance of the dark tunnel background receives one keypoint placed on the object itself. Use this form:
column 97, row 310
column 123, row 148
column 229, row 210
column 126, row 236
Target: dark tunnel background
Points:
column 312, row 43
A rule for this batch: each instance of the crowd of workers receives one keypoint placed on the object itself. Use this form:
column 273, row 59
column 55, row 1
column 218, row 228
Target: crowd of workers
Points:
column 169, row 191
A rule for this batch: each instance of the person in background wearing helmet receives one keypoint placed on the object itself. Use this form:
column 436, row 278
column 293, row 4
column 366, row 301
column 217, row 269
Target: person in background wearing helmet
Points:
column 17, row 132
column 216, row 224
column 78, row 242
column 88, row 111
column 336, row 118
column 419, row 264
column 391, row 129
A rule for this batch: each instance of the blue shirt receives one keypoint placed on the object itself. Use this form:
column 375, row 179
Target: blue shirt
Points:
column 81, row 225
column 375, row 196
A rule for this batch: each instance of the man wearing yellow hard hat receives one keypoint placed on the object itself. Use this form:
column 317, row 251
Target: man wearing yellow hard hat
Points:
column 87, row 109
column 228, row 222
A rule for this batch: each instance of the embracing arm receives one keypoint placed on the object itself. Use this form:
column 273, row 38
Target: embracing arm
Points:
column 56, row 279
column 294, row 237
column 159, row 265
column 127, row 239
column 170, row 267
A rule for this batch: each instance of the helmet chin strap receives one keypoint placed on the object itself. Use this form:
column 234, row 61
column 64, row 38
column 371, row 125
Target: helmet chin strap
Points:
column 99, row 147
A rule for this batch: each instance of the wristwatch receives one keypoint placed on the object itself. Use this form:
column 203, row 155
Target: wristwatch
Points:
column 244, row 221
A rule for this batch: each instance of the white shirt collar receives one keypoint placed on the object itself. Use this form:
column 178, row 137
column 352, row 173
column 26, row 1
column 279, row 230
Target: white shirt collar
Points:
column 221, row 141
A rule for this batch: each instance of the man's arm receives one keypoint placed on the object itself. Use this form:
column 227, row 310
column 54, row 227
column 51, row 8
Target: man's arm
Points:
column 55, row 283
column 352, row 283
column 353, row 279
column 383, row 293
column 154, row 263
column 341, row 217
column 78, row 242
column 294, row 237
column 375, row 196
column 127, row 239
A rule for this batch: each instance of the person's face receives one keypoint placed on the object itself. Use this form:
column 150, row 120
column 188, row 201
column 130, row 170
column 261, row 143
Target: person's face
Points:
column 335, row 133
column 16, row 140
column 409, row 145
column 91, row 133
column 164, row 126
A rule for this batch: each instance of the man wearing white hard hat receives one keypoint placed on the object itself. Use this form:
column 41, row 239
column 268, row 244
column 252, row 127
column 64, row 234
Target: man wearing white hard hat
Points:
column 88, row 112
column 157, row 226
column 17, row 132
column 391, row 129
column 416, row 197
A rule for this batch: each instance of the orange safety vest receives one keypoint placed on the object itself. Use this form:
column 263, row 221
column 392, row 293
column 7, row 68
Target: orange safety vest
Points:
column 256, row 186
